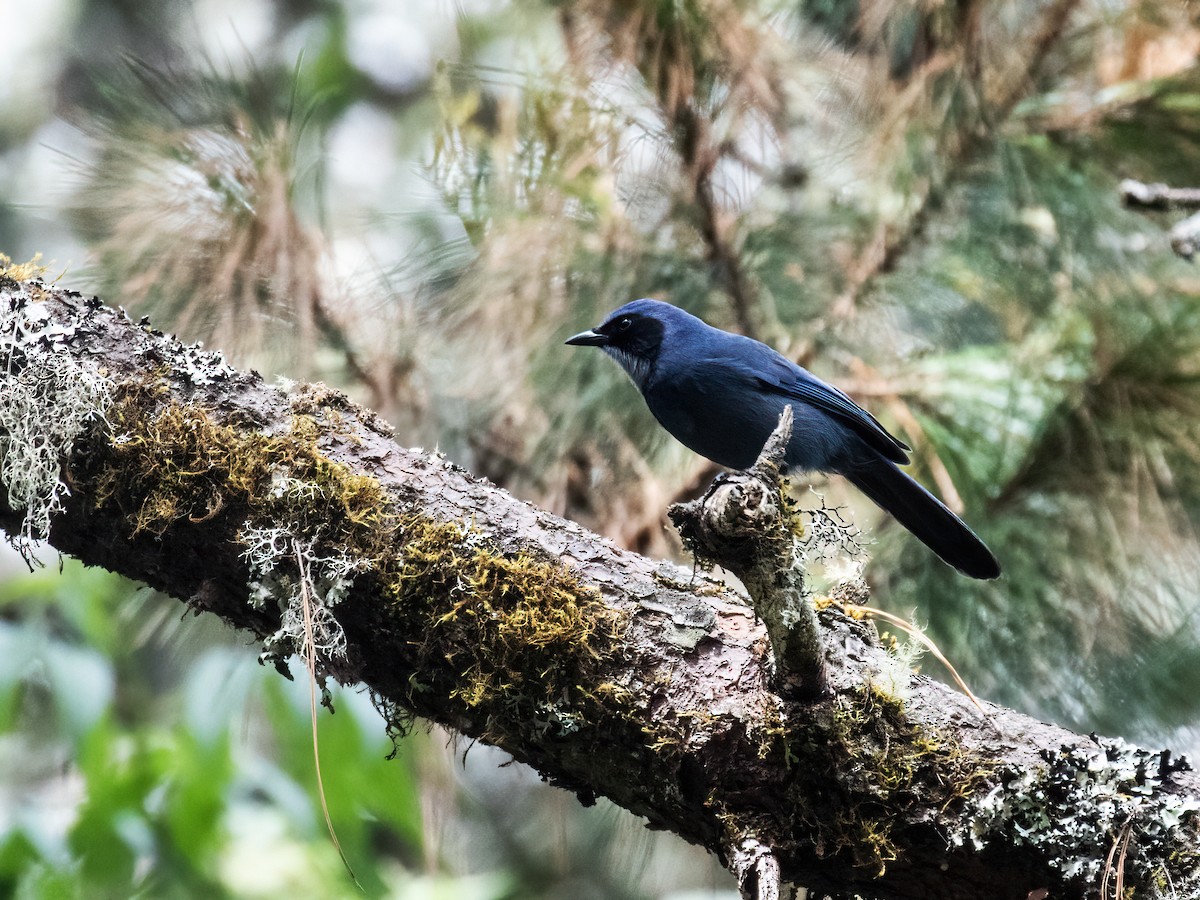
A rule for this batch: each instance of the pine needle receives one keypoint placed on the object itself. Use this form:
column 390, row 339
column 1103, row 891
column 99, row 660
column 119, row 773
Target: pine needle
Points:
column 914, row 632
column 1112, row 883
column 310, row 653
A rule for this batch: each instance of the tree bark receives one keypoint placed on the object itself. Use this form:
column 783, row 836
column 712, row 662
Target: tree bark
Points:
column 609, row 673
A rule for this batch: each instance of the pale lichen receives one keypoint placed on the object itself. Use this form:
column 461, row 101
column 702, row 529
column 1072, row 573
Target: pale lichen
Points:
column 50, row 400
column 289, row 570
column 1074, row 807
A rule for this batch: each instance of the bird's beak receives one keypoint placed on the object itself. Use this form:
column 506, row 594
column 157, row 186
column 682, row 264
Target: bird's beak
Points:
column 588, row 339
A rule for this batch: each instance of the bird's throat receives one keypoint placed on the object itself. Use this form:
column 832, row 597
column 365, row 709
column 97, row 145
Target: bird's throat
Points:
column 636, row 367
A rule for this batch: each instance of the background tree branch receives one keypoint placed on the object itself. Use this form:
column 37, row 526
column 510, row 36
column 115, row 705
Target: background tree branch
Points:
column 1185, row 234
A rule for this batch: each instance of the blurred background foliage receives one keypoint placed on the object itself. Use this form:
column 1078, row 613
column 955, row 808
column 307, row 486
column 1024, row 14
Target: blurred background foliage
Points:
column 418, row 201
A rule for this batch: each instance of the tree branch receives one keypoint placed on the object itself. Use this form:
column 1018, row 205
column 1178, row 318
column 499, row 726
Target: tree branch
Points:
column 1158, row 196
column 607, row 672
column 1185, row 234
column 959, row 144
column 744, row 523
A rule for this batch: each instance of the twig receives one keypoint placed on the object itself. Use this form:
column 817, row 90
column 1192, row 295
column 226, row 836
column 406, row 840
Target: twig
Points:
column 1112, row 883
column 701, row 156
column 1185, row 235
column 1139, row 195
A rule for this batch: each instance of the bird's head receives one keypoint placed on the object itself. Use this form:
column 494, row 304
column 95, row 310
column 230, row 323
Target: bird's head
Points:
column 632, row 335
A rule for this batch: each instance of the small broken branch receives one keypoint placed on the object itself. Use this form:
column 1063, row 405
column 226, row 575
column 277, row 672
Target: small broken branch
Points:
column 757, row 871
column 743, row 523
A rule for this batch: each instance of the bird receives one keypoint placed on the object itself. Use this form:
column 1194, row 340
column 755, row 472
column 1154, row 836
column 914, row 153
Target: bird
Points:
column 721, row 395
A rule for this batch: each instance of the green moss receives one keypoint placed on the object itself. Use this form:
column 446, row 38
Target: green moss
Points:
column 791, row 512
column 16, row 273
column 512, row 629
column 180, row 464
column 860, row 765
column 511, row 632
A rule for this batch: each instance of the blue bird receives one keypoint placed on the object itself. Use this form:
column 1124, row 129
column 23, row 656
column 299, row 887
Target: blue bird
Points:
column 721, row 395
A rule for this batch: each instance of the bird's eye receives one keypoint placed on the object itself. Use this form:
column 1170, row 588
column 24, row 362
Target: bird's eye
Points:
column 624, row 323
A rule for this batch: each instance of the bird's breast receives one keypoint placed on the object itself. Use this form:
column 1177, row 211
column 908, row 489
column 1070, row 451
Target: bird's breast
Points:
column 728, row 421
column 727, row 426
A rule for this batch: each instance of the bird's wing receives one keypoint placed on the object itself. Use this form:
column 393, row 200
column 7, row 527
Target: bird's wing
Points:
column 782, row 376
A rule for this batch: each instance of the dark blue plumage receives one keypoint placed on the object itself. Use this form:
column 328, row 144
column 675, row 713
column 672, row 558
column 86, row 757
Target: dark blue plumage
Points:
column 721, row 395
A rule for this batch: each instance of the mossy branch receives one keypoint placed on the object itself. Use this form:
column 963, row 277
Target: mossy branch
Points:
column 744, row 524
column 609, row 673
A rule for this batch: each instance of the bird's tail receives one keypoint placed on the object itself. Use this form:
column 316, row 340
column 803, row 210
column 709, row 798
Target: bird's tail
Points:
column 925, row 516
